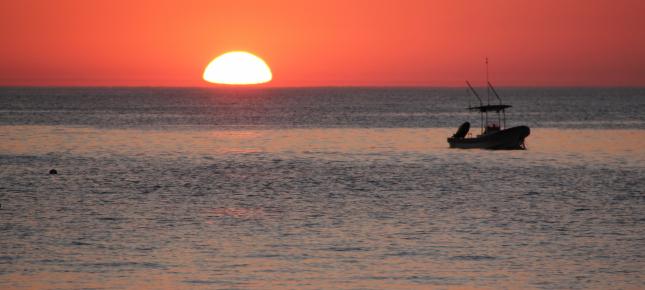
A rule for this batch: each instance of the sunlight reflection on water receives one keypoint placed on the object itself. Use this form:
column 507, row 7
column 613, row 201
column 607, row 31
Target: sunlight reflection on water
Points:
column 199, row 208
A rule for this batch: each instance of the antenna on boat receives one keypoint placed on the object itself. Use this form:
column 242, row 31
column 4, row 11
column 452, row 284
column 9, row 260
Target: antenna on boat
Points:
column 475, row 93
column 481, row 104
column 500, row 103
column 495, row 92
column 487, row 92
column 487, row 89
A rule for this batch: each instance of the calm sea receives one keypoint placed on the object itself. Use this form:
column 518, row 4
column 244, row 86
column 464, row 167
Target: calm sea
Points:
column 318, row 188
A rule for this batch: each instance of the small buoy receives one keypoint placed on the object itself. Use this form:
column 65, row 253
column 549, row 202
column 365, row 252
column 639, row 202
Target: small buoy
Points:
column 53, row 171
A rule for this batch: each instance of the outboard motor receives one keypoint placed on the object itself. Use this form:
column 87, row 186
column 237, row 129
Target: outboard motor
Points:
column 462, row 131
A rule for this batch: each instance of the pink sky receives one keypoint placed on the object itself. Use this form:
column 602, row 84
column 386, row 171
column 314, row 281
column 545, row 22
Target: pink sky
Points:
column 325, row 43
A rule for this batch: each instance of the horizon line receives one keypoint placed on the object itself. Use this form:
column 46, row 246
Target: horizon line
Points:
column 327, row 86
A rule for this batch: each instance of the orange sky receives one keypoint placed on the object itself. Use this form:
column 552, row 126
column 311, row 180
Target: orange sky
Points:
column 325, row 43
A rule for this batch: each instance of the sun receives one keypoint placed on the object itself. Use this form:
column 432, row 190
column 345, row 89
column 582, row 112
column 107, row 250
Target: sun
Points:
column 237, row 68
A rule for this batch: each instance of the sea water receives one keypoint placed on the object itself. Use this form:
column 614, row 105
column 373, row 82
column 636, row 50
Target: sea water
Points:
column 318, row 188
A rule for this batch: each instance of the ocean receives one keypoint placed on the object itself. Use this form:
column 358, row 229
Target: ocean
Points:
column 318, row 188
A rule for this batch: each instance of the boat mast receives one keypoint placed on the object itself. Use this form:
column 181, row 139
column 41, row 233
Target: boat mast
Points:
column 481, row 104
column 500, row 103
column 487, row 91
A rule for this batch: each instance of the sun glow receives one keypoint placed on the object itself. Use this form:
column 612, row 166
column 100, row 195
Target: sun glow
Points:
column 237, row 68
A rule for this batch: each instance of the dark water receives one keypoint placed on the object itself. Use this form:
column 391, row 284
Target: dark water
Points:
column 316, row 107
column 317, row 189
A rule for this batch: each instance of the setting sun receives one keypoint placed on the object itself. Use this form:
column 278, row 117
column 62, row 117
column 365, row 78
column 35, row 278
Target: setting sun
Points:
column 237, row 68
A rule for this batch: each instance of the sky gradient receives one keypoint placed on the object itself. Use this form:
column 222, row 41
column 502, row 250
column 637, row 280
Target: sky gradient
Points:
column 325, row 43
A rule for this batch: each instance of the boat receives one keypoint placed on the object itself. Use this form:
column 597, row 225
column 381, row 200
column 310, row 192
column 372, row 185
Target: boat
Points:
column 493, row 135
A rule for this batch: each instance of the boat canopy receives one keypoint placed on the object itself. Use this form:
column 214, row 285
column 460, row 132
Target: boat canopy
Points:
column 489, row 108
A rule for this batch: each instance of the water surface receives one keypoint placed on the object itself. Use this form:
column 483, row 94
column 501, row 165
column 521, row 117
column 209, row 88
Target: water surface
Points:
column 147, row 197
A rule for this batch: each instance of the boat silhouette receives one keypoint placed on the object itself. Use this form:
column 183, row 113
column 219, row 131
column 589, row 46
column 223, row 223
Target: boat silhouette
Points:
column 493, row 135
